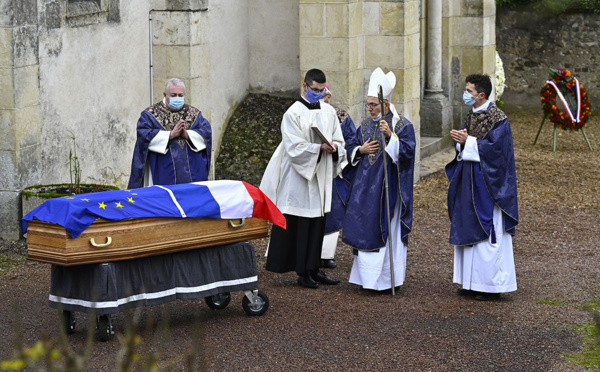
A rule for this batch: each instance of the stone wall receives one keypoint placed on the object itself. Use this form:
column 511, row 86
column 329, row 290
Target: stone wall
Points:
column 530, row 44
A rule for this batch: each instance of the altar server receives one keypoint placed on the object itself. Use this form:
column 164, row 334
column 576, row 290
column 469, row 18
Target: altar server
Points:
column 299, row 180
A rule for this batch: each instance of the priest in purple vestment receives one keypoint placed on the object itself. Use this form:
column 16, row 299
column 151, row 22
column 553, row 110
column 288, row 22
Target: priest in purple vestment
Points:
column 482, row 197
column 173, row 144
column 341, row 189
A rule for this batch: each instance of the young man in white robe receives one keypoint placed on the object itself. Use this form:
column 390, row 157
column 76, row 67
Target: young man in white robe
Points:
column 299, row 178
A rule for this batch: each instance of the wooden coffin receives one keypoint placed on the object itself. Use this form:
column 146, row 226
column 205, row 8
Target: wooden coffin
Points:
column 105, row 241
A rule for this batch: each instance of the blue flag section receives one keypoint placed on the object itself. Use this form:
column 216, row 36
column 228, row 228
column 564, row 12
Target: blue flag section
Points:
column 208, row 199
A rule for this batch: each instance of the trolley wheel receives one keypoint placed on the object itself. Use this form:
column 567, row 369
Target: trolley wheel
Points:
column 259, row 304
column 105, row 328
column 218, row 301
column 68, row 321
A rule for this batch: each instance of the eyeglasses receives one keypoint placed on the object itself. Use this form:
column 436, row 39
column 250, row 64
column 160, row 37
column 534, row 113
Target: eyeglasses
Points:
column 372, row 105
column 316, row 90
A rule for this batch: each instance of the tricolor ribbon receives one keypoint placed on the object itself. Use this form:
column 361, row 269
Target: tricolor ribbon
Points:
column 564, row 101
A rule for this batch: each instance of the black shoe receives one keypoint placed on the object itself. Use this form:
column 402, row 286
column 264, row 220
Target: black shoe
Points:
column 328, row 264
column 466, row 292
column 487, row 296
column 307, row 281
column 320, row 277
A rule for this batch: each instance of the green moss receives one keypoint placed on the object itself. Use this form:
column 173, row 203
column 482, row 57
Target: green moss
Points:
column 34, row 190
column 550, row 301
column 590, row 331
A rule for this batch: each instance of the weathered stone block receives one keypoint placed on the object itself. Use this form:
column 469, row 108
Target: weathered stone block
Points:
column 53, row 15
column 337, row 20
column 338, row 82
column 325, row 53
column 472, row 8
column 6, row 48
column 472, row 61
column 356, row 87
column 26, row 43
column 412, row 50
column 27, row 126
column 489, row 31
column 178, row 61
column 6, row 16
column 7, row 93
column 371, row 18
column 311, row 20
column 412, row 83
column 489, row 60
column 187, row 5
column 356, row 55
column 9, row 219
column 385, row 51
column 29, row 160
column 392, row 19
column 200, row 62
column 26, row 86
column 171, row 28
column 8, row 169
column 24, row 12
column 356, row 19
column 467, row 31
column 7, row 129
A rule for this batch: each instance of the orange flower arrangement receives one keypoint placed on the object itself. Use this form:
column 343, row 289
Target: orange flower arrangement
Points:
column 574, row 108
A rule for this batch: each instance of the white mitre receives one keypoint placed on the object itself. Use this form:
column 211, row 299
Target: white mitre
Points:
column 387, row 82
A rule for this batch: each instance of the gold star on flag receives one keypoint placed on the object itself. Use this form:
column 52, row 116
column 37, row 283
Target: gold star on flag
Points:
column 118, row 204
column 85, row 199
column 130, row 200
column 102, row 205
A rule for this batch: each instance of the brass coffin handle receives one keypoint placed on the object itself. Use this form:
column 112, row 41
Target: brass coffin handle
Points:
column 102, row 245
column 236, row 225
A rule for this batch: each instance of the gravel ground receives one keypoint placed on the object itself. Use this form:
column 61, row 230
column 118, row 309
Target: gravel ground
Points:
column 424, row 327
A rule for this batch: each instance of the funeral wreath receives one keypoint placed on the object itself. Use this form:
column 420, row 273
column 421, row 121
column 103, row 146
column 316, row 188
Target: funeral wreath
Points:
column 565, row 101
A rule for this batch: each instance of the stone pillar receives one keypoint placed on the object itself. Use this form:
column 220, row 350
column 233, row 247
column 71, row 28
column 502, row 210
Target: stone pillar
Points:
column 434, row 47
column 435, row 108
column 20, row 135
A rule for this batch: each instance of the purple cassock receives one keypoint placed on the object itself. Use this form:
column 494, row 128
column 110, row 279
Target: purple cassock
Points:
column 341, row 185
column 476, row 187
column 181, row 164
column 365, row 224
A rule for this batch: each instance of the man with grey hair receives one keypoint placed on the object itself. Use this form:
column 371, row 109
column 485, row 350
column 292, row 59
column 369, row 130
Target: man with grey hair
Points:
column 173, row 144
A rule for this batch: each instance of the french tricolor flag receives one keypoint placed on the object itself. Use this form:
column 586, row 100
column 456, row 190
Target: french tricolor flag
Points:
column 224, row 199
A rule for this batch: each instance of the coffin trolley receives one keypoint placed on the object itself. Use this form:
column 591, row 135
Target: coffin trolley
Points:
column 111, row 264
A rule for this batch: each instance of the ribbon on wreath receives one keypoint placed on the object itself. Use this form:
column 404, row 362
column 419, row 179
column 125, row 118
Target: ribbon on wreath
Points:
column 564, row 101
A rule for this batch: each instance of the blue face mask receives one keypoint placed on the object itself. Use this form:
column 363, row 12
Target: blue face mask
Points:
column 313, row 97
column 378, row 118
column 176, row 103
column 468, row 99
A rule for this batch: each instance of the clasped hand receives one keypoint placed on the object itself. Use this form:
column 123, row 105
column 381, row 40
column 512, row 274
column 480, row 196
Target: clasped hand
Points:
column 179, row 131
column 459, row 136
